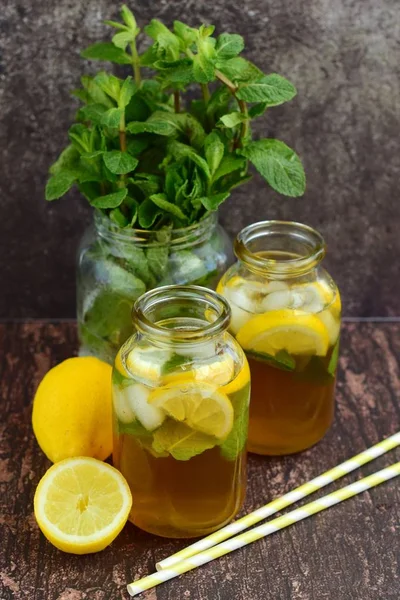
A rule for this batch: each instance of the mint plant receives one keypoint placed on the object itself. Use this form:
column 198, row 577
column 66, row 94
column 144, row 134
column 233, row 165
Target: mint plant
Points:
column 160, row 150
column 147, row 154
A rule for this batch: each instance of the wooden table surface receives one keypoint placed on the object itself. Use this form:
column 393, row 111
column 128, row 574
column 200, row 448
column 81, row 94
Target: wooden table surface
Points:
column 350, row 552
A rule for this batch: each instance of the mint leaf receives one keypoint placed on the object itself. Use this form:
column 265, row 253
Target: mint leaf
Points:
column 212, row 202
column 229, row 45
column 180, row 441
column 59, row 184
column 214, row 151
column 110, row 200
column 186, row 34
column 123, row 38
column 334, row 359
column 181, row 151
column 118, row 217
column 128, row 18
column 281, row 360
column 157, row 260
column 128, row 89
column 161, row 201
column 235, row 443
column 119, row 163
column 112, row 117
column 159, row 127
column 148, row 213
column 239, row 69
column 258, row 109
column 67, row 161
column 272, row 89
column 228, row 165
column 92, row 112
column 94, row 92
column 110, row 84
column 203, row 69
column 107, row 51
column 233, row 119
column 278, row 164
column 178, row 71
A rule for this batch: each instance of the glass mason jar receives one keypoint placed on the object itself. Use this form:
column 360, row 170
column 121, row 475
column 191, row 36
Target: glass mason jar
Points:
column 180, row 398
column 116, row 266
column 286, row 316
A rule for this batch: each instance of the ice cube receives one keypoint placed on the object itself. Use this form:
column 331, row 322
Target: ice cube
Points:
column 121, row 405
column 150, row 416
column 277, row 301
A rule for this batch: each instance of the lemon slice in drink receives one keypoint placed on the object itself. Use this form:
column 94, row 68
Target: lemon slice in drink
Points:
column 199, row 405
column 218, row 371
column 81, row 504
column 295, row 331
column 147, row 363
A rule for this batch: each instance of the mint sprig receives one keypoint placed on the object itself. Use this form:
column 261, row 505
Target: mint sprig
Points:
column 147, row 124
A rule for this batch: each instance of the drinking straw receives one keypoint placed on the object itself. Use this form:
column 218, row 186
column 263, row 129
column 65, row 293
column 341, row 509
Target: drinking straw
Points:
column 263, row 530
column 279, row 503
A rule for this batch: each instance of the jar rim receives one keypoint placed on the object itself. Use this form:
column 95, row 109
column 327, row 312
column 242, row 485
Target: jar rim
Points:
column 161, row 295
column 181, row 236
column 314, row 247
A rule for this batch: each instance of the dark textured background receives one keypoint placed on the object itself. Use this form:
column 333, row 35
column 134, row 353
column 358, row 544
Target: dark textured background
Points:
column 343, row 57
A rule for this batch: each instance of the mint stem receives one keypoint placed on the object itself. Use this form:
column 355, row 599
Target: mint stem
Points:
column 242, row 107
column 135, row 63
column 205, row 92
column 122, row 133
column 177, row 101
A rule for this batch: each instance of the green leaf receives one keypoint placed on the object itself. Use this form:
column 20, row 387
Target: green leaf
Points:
column 178, row 71
column 212, row 202
column 203, row 69
column 214, row 151
column 67, row 161
column 278, row 164
column 107, row 51
column 158, row 123
column 110, row 200
column 229, row 45
column 186, row 34
column 239, row 69
column 128, row 89
column 94, row 92
column 148, row 213
column 180, row 441
column 116, row 25
column 123, row 38
column 219, row 101
column 232, row 119
column 258, row 109
column 281, row 360
column 155, row 28
column 93, row 113
column 228, row 165
column 128, row 17
column 272, row 89
column 59, row 184
column 157, row 260
column 235, row 443
column 161, row 201
column 138, row 144
column 112, row 117
column 334, row 360
column 118, row 217
column 119, row 162
column 110, row 84
column 181, row 151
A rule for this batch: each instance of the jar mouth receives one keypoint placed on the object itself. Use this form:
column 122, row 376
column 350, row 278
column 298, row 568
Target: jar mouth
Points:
column 280, row 247
column 184, row 237
column 181, row 313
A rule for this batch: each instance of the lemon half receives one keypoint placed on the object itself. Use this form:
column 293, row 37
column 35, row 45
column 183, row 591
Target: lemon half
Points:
column 81, row 504
column 295, row 331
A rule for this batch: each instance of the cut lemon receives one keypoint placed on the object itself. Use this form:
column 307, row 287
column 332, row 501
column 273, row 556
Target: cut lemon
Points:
column 147, row 363
column 120, row 365
column 295, row 331
column 199, row 405
column 219, row 371
column 81, row 504
column 241, row 379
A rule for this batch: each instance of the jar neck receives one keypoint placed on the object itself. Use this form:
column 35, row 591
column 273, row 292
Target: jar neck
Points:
column 185, row 237
column 280, row 249
column 181, row 314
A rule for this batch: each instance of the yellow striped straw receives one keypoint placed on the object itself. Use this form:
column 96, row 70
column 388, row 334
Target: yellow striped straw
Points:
column 263, row 530
column 279, row 503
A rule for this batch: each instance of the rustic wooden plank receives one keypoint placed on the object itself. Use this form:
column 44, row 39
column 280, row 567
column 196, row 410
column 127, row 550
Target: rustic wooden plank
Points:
column 350, row 551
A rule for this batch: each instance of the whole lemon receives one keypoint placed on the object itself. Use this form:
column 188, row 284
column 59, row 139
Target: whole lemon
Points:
column 72, row 411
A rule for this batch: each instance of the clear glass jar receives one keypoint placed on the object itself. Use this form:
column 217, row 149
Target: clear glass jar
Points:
column 116, row 266
column 286, row 316
column 180, row 395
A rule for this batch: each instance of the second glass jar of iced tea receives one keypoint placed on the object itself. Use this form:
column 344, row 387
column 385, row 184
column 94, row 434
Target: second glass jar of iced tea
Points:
column 286, row 316
column 181, row 391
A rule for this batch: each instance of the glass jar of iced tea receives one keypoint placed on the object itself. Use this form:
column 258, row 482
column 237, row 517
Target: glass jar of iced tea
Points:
column 181, row 390
column 286, row 316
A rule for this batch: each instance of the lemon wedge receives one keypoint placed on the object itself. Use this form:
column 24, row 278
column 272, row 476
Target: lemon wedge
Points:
column 81, row 504
column 198, row 405
column 238, row 383
column 295, row 331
